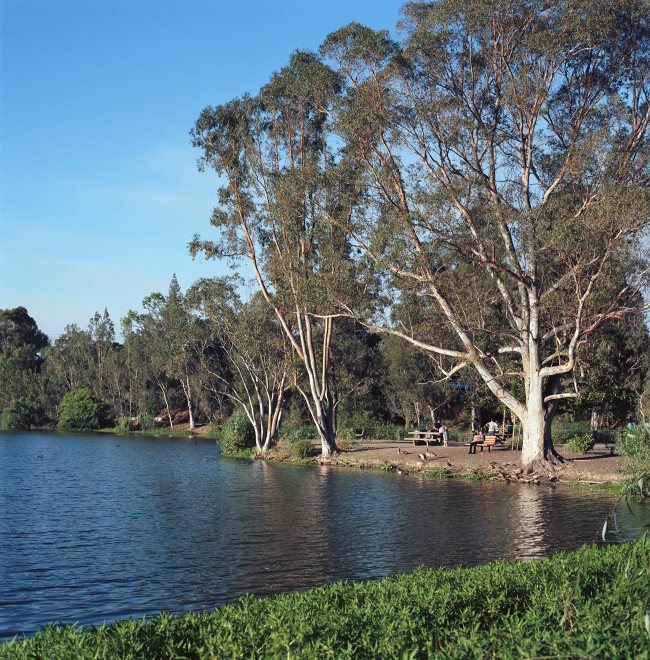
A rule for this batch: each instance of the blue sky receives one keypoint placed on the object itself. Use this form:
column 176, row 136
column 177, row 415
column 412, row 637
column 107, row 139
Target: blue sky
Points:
column 99, row 191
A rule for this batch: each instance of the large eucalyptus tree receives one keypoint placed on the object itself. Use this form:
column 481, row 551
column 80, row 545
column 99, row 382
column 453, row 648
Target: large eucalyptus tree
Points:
column 281, row 179
column 506, row 158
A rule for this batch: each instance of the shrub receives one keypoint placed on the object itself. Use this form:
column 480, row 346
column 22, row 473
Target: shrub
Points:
column 392, row 432
column 237, row 433
column 346, row 435
column 636, row 446
column 81, row 410
column 124, row 426
column 582, row 443
column 302, row 448
column 145, row 421
column 292, row 435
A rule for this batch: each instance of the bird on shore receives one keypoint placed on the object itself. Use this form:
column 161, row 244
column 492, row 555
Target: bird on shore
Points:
column 400, row 471
column 422, row 457
column 430, row 454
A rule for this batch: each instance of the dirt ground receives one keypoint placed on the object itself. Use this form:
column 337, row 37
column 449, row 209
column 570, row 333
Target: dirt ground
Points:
column 595, row 467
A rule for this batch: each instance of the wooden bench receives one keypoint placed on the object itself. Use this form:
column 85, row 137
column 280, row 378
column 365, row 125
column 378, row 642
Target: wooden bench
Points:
column 366, row 433
column 424, row 437
column 489, row 442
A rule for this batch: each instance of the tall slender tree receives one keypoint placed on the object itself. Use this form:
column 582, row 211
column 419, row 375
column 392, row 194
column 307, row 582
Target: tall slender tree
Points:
column 281, row 178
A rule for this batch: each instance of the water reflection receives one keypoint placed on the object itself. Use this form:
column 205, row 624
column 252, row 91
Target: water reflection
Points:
column 103, row 528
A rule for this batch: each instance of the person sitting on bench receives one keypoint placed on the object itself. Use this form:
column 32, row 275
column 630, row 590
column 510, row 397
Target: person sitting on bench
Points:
column 478, row 440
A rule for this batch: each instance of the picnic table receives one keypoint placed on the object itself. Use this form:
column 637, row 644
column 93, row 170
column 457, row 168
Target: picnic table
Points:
column 425, row 437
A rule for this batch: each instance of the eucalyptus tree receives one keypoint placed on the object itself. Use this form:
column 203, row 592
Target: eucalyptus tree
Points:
column 248, row 363
column 19, row 330
column 281, row 177
column 69, row 362
column 102, row 335
column 506, row 159
column 173, row 341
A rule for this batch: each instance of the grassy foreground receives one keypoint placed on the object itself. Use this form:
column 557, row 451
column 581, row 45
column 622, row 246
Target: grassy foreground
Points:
column 591, row 603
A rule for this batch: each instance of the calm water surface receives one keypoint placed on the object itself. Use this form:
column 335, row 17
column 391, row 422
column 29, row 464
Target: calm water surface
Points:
column 97, row 528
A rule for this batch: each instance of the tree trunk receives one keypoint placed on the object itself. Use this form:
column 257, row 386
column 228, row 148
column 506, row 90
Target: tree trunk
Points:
column 188, row 396
column 538, row 452
column 169, row 415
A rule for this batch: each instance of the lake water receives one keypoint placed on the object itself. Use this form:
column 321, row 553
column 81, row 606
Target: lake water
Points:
column 96, row 528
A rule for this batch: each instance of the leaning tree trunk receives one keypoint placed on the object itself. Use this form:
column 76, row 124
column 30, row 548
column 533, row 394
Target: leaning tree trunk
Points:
column 187, row 390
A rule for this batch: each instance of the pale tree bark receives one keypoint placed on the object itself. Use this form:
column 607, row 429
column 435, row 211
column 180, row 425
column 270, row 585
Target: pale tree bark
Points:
column 504, row 154
column 279, row 173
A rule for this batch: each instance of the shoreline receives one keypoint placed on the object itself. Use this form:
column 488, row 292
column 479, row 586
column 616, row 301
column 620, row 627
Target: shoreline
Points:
column 595, row 469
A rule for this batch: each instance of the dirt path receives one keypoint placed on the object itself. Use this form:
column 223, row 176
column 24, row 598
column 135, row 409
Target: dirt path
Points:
column 597, row 466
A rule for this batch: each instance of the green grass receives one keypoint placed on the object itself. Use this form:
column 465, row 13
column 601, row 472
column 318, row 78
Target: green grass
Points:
column 583, row 604
column 608, row 489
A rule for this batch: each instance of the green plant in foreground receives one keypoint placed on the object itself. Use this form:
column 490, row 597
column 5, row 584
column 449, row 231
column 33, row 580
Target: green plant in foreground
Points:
column 589, row 603
column 635, row 445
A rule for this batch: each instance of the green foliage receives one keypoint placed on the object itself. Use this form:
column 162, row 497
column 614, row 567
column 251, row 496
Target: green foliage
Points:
column 19, row 330
column 80, row 410
column 23, row 413
column 292, row 435
column 302, row 448
column 346, row 434
column 124, row 426
column 635, row 445
column 237, row 433
column 564, row 430
column 584, row 604
column 582, row 443
column 146, row 421
column 388, row 431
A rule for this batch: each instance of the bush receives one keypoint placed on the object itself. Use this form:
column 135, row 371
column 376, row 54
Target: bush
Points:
column 302, row 448
column 145, row 421
column 124, row 426
column 346, row 435
column 636, row 446
column 81, row 410
column 292, row 435
column 237, row 433
column 392, row 432
column 582, row 443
